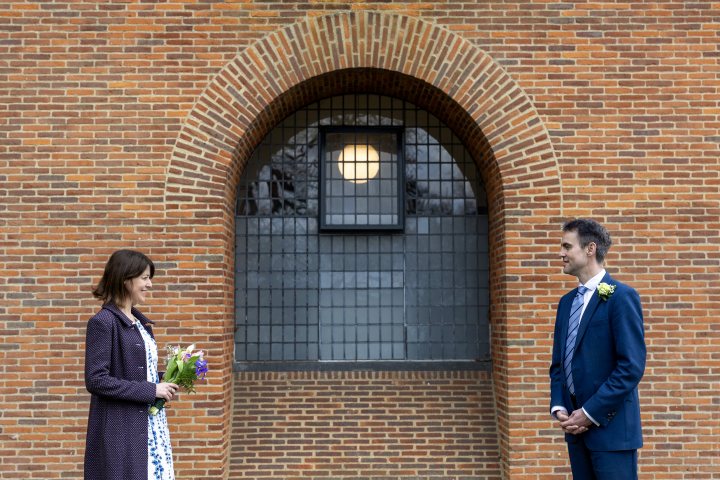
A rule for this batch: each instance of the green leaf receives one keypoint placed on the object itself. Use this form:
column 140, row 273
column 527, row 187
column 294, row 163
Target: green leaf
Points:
column 187, row 377
column 171, row 372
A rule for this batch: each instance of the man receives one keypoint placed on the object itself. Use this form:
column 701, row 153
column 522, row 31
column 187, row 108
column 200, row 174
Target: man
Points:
column 598, row 360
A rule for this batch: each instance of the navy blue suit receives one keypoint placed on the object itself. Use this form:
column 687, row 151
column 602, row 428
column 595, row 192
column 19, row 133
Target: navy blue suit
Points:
column 607, row 365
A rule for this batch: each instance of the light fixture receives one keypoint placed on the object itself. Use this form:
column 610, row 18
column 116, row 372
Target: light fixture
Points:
column 361, row 178
column 359, row 163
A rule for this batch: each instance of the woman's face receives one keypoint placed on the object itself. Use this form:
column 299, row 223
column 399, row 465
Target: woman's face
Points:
column 138, row 287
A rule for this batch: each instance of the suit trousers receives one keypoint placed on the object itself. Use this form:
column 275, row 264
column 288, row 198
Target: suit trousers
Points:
column 598, row 465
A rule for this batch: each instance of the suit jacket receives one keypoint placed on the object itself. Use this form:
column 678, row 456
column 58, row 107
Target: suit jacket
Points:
column 116, row 376
column 607, row 365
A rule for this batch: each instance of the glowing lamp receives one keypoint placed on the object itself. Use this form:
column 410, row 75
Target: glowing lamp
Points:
column 359, row 163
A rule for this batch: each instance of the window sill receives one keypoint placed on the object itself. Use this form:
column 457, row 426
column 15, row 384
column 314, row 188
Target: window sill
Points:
column 372, row 365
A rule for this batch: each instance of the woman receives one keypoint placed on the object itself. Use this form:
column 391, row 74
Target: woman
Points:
column 123, row 442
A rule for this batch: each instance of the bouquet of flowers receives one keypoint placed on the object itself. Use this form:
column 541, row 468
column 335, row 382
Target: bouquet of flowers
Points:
column 184, row 368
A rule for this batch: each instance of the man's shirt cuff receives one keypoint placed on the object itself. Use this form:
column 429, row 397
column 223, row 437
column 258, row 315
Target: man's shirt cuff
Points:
column 591, row 418
column 556, row 409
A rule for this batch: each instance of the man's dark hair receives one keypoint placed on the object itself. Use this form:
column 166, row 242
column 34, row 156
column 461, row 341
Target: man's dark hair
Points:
column 123, row 265
column 591, row 231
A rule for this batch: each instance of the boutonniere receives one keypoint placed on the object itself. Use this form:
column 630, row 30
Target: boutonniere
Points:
column 605, row 290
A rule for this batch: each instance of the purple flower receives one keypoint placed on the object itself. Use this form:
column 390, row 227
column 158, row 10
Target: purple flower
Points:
column 201, row 368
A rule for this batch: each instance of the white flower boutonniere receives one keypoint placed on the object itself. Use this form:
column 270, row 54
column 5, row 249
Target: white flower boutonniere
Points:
column 605, row 290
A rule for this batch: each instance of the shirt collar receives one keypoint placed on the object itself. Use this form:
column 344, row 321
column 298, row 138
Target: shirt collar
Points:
column 594, row 281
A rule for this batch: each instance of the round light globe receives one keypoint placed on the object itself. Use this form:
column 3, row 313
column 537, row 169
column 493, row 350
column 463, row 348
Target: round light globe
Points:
column 359, row 163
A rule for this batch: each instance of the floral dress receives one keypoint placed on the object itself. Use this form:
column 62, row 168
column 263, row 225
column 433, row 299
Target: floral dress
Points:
column 160, row 462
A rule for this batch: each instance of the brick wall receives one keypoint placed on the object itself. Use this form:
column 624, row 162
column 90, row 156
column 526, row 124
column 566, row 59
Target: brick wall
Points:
column 127, row 124
column 395, row 425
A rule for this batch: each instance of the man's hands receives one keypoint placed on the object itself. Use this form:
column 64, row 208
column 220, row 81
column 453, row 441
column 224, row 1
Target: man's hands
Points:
column 575, row 423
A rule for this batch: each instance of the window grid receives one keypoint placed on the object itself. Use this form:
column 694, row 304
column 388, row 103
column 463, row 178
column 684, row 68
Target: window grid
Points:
column 306, row 296
column 375, row 202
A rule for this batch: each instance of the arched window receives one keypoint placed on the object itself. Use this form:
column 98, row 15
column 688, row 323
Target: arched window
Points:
column 417, row 292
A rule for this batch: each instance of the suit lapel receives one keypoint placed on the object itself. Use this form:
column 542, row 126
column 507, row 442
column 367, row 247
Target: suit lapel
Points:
column 589, row 312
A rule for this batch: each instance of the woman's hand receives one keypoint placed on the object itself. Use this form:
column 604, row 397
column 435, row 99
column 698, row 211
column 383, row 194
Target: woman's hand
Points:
column 165, row 390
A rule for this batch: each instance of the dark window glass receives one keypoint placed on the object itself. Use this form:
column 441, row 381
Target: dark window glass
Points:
column 361, row 186
column 306, row 294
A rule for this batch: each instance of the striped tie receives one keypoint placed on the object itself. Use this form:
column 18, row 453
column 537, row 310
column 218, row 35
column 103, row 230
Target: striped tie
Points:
column 573, row 326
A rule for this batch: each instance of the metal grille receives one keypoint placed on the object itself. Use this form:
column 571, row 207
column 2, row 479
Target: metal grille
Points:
column 307, row 295
column 361, row 190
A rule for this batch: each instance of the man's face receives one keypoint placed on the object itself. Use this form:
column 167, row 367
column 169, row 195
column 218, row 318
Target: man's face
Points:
column 575, row 258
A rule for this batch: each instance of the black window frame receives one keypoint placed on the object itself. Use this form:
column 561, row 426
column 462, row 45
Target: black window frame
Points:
column 399, row 133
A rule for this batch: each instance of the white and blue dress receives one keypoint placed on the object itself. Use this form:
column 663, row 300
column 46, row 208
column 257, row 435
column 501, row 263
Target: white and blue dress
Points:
column 160, row 462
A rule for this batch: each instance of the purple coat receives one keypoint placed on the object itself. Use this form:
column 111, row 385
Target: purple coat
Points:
column 115, row 374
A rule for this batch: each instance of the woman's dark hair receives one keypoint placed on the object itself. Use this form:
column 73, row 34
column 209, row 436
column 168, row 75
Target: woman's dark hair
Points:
column 123, row 265
column 591, row 231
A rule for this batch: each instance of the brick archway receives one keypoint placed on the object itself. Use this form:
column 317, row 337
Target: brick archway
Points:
column 396, row 55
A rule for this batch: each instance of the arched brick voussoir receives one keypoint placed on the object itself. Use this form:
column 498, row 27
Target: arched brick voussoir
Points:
column 214, row 137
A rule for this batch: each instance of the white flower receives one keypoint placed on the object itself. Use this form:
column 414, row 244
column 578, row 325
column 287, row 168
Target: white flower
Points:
column 605, row 290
